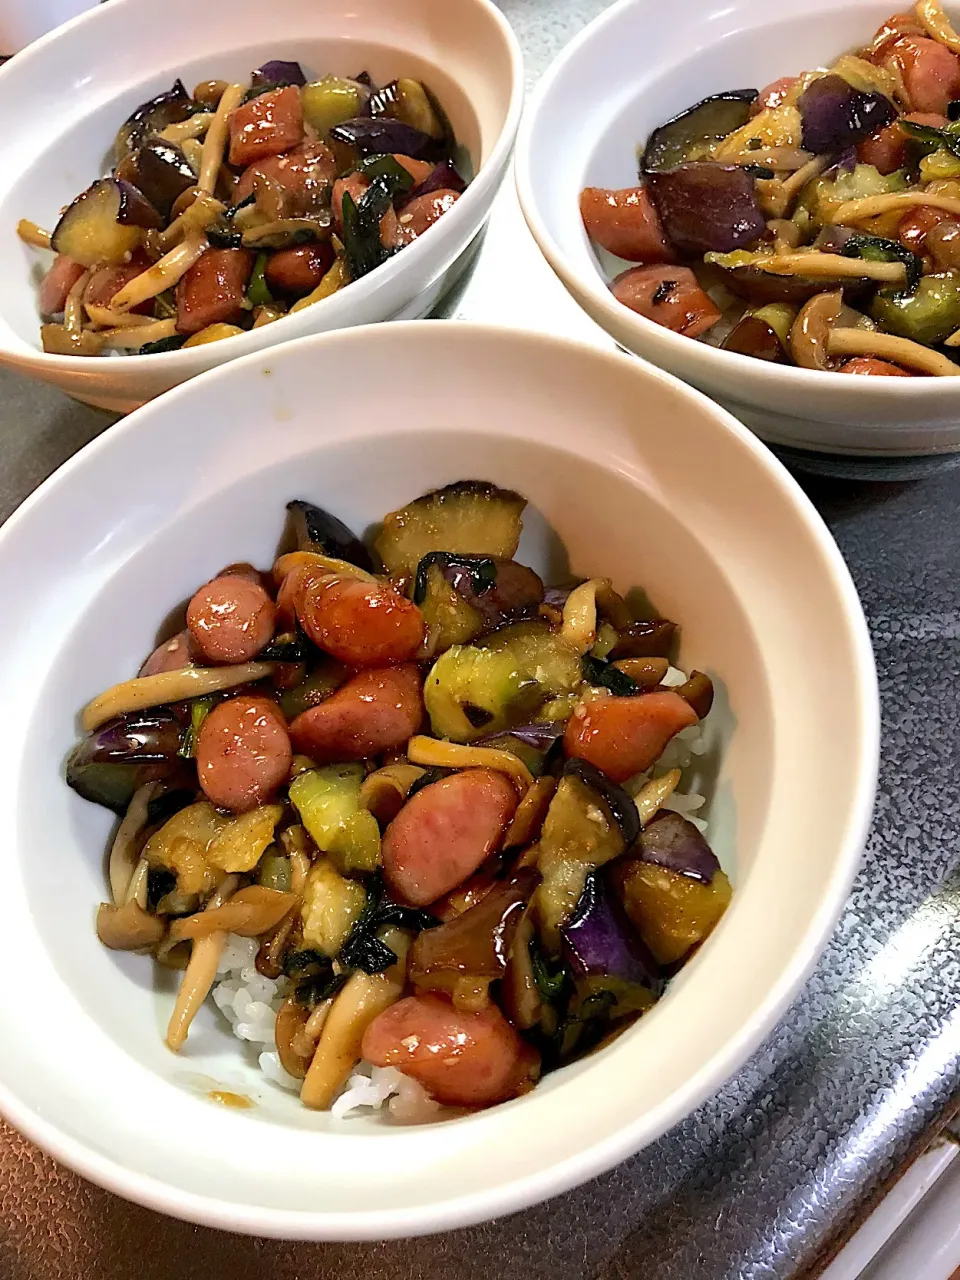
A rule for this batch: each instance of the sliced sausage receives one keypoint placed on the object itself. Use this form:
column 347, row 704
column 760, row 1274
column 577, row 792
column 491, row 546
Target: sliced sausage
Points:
column 302, row 178
column 625, row 223
column 931, row 73
column 266, row 126
column 419, row 170
column 624, row 736
column 231, row 619
column 417, row 215
column 874, row 368
column 172, row 655
column 373, row 712
column 669, row 296
column 243, row 753
column 56, row 284
column 461, row 1059
column 213, row 290
column 364, row 624
column 773, row 95
column 444, row 832
column 355, row 184
column 299, row 270
column 888, row 149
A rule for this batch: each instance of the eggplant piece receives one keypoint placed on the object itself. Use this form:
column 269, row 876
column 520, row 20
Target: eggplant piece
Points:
column 499, row 681
column 752, row 336
column 470, row 517
column 90, row 231
column 836, row 115
column 581, row 832
column 443, row 177
column 614, row 797
column 331, row 100
column 495, row 588
column 161, row 171
column 463, row 956
column 689, row 135
column 318, row 530
column 606, row 955
column 167, row 108
column 652, row 638
column 276, row 74
column 411, row 103
column 535, row 743
column 382, row 135
column 109, row 765
column 928, row 315
column 672, row 912
column 670, row 841
column 135, row 209
column 448, row 616
column 707, row 207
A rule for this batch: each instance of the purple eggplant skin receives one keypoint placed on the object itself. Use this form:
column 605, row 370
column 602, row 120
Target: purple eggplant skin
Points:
column 836, row 115
column 160, row 171
column 541, row 736
column 706, row 207
column 707, row 121
column 383, row 135
column 108, row 765
column 135, row 209
column 167, row 108
column 760, row 287
column 318, row 530
column 670, row 841
column 605, row 953
column 275, row 73
column 621, row 806
column 514, row 591
column 443, row 177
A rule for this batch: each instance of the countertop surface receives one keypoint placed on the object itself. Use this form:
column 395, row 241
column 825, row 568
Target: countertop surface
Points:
column 756, row 1183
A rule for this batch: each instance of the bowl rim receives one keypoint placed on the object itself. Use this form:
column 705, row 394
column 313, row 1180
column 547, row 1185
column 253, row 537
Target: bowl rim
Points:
column 777, row 378
column 511, row 1195
column 488, row 174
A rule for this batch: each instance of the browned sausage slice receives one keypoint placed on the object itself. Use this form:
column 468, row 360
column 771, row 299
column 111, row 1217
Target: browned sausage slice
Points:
column 266, row 126
column 299, row 270
column 243, row 753
column 624, row 736
column 212, row 291
column 444, row 832
column 626, row 223
column 364, row 624
column 461, row 1059
column 670, row 296
column 373, row 712
column 231, row 619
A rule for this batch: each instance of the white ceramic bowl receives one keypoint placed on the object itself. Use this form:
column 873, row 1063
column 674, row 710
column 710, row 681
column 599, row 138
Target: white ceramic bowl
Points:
column 633, row 68
column 69, row 92
column 664, row 490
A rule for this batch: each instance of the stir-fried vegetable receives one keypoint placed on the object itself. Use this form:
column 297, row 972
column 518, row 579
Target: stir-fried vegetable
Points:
column 837, row 183
column 236, row 205
column 406, row 791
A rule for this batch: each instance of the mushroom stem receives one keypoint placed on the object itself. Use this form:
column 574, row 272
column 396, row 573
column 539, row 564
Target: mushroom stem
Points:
column 168, row 686
column 200, row 973
column 862, row 342
column 453, row 755
column 124, row 851
column 873, row 206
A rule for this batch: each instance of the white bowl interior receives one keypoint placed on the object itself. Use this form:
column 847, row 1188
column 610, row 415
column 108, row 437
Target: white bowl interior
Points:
column 604, row 100
column 664, row 492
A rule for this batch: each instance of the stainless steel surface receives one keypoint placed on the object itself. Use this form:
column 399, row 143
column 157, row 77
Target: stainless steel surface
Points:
column 754, row 1184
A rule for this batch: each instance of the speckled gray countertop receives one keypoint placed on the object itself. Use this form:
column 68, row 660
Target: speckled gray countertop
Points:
column 758, row 1183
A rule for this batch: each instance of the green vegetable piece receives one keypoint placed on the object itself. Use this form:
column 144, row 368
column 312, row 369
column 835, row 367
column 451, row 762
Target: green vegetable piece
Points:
column 607, row 676
column 273, row 870
column 927, row 316
column 258, row 291
column 932, row 137
column 173, row 343
column 877, row 249
column 328, row 801
column 824, row 196
column 482, row 571
column 361, row 228
column 499, row 682
column 199, row 710
column 329, row 101
column 779, row 316
column 397, row 178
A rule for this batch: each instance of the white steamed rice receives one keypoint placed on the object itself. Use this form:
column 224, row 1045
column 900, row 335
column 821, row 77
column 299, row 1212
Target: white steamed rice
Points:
column 250, row 1002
